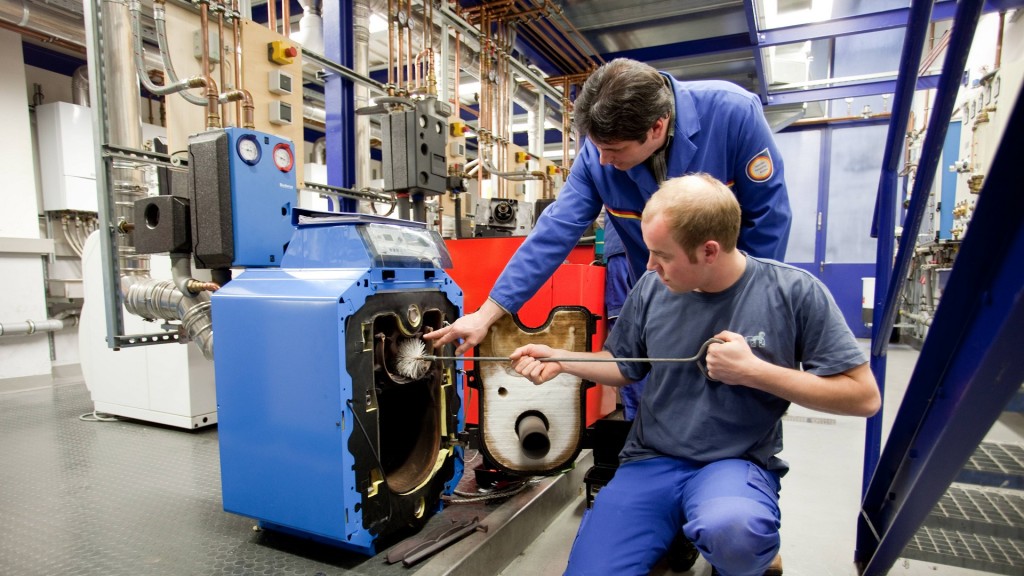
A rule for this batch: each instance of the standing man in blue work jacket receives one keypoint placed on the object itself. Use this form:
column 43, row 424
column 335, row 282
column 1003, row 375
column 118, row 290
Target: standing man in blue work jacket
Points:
column 643, row 127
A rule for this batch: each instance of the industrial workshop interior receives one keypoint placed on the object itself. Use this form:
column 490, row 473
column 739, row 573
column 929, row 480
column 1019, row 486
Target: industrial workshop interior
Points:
column 322, row 183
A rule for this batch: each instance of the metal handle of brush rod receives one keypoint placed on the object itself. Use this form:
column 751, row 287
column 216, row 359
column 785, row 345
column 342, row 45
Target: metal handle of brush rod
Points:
column 696, row 357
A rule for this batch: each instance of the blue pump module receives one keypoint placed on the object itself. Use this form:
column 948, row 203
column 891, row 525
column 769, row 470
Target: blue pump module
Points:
column 242, row 190
column 320, row 435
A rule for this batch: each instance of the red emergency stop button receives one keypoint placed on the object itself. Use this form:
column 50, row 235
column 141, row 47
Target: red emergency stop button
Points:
column 282, row 52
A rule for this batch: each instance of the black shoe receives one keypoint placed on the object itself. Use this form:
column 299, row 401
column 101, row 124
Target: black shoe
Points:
column 682, row 554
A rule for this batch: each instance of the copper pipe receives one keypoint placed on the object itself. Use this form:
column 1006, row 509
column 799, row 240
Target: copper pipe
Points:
column 408, row 40
column 430, row 77
column 838, row 119
column 46, row 39
column 212, row 114
column 428, row 28
column 933, row 53
column 391, row 43
column 570, row 33
column 414, row 80
column 286, row 18
column 567, row 49
column 236, row 50
column 220, row 55
column 477, row 12
column 999, row 39
column 566, row 126
column 272, row 15
column 400, row 62
column 245, row 98
column 564, row 47
column 248, row 110
column 558, row 9
column 423, row 70
column 545, row 47
column 456, row 103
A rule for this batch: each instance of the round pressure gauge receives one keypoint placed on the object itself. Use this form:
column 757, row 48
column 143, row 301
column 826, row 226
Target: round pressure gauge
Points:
column 249, row 149
column 283, row 158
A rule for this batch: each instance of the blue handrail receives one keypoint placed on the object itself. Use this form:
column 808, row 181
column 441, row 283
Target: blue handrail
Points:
column 885, row 216
column 875, row 534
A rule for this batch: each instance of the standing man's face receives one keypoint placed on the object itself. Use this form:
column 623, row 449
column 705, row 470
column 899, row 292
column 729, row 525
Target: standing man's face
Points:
column 626, row 154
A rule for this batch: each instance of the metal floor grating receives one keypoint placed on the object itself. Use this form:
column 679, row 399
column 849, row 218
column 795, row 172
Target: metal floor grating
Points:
column 998, row 458
column 991, row 512
column 127, row 497
column 996, row 464
column 978, row 552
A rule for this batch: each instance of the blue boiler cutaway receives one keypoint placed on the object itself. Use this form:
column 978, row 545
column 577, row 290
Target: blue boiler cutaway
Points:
column 319, row 435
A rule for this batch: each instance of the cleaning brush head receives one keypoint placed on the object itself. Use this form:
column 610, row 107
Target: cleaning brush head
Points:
column 410, row 362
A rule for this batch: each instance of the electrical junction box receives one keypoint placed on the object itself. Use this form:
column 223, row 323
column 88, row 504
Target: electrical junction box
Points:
column 214, row 48
column 242, row 190
column 280, row 82
column 280, row 113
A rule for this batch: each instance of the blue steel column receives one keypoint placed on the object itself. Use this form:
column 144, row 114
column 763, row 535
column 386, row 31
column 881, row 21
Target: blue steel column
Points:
column 340, row 99
column 885, row 216
column 968, row 370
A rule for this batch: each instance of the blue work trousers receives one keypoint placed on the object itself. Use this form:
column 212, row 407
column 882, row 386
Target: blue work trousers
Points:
column 728, row 509
column 616, row 288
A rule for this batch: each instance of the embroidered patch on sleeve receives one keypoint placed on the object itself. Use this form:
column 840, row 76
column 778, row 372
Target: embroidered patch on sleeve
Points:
column 760, row 167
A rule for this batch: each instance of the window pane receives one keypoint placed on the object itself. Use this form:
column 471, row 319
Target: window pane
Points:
column 801, row 155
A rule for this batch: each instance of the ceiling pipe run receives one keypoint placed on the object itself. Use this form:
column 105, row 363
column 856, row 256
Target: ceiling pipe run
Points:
column 469, row 56
column 53, row 27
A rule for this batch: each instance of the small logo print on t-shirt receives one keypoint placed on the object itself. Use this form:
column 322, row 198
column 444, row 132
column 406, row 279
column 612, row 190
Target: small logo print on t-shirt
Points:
column 756, row 341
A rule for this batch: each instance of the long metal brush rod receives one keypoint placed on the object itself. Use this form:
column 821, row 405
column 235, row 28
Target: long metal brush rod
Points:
column 552, row 359
column 700, row 353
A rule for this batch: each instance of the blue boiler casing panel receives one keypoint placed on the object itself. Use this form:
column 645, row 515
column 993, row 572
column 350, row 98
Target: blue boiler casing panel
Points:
column 318, row 435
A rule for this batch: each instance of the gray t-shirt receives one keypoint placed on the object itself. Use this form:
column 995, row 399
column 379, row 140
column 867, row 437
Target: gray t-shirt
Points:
column 788, row 319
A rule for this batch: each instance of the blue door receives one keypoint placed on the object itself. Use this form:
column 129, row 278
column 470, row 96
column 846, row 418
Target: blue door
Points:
column 832, row 176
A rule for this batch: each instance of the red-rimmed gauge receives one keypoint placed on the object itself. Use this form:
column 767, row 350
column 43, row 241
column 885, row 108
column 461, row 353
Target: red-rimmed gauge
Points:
column 283, row 158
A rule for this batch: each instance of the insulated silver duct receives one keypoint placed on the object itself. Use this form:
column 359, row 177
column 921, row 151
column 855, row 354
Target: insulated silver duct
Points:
column 124, row 125
column 320, row 150
column 361, row 60
column 314, row 113
column 40, row 19
column 80, row 86
column 43, row 20
column 161, row 299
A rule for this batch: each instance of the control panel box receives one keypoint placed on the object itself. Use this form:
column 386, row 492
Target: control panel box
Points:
column 415, row 147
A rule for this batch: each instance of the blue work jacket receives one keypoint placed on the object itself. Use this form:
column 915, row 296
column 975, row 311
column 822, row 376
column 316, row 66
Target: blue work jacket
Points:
column 720, row 129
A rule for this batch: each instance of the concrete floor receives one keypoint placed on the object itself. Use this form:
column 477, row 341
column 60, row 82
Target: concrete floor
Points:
column 820, row 496
column 134, row 498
